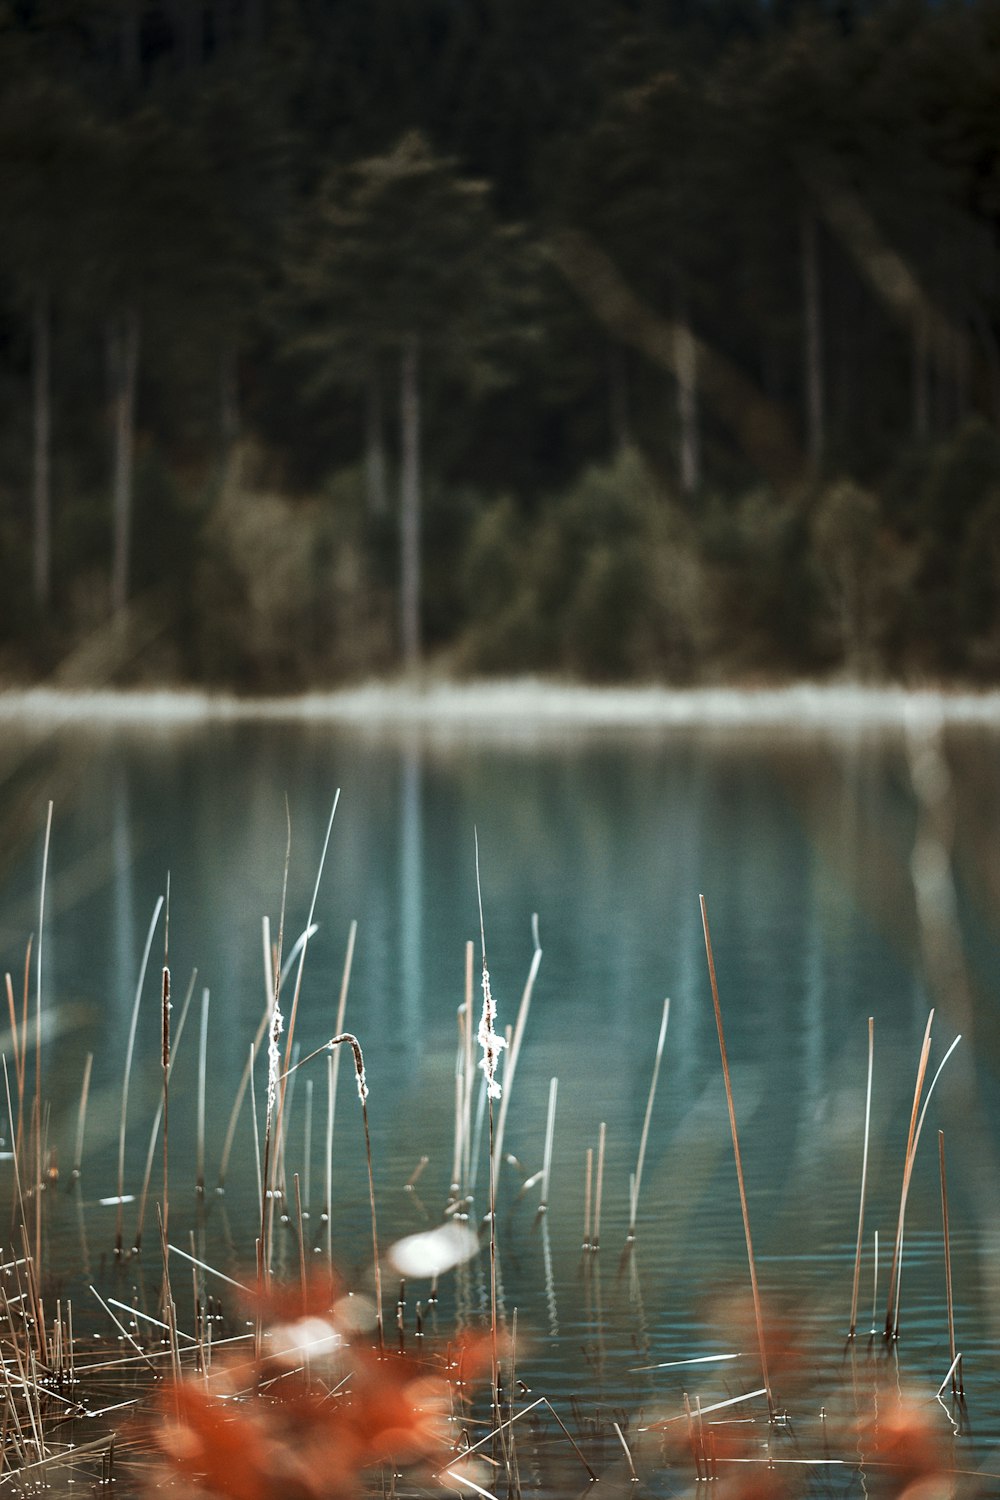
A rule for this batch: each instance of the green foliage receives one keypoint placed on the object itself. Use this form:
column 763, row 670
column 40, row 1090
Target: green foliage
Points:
column 288, row 197
column 284, row 593
column 605, row 584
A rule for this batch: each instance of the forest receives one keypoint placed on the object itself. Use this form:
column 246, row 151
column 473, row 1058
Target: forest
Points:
column 651, row 340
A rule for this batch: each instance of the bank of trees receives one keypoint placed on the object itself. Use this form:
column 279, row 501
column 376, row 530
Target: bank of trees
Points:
column 625, row 341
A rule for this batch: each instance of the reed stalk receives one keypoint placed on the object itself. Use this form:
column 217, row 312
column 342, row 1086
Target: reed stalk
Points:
column 276, row 1025
column 907, row 1168
column 15, row 1131
column 297, row 991
column 470, row 1072
column 202, row 1075
column 514, row 1049
column 599, row 1190
column 587, row 1187
column 300, row 1230
column 81, row 1119
column 874, row 1280
column 349, row 1040
column 128, row 1074
column 864, row 1179
column 898, row 1258
column 755, row 1290
column 25, row 997
column 155, row 1130
column 492, row 1045
column 550, row 1129
column 637, row 1178
column 333, row 1074
column 256, row 1136
column 165, row 1074
column 38, row 1043
column 957, row 1384
column 307, row 1149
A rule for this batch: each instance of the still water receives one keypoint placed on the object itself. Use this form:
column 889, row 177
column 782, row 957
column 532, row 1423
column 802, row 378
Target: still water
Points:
column 847, row 873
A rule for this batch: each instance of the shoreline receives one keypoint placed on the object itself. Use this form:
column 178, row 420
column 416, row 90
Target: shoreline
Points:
column 526, row 702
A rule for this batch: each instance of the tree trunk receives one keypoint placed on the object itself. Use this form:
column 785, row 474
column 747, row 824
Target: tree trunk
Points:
column 812, row 325
column 686, row 365
column 124, row 361
column 41, row 479
column 409, row 508
column 375, row 466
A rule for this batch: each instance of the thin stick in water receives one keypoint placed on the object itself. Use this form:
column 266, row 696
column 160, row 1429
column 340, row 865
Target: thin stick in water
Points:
column 755, row 1291
column 333, row 1075
column 514, row 1050
column 864, row 1178
column 81, row 1119
column 637, row 1181
column 599, row 1190
column 202, row 1075
column 957, row 1383
column 307, row 1147
column 587, row 1185
column 916, row 1142
column 147, row 1176
column 550, row 1128
column 128, row 1071
column 907, row 1167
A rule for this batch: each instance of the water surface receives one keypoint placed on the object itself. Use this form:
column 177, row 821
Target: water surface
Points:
column 847, row 873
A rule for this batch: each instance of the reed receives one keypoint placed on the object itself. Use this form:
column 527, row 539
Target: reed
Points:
column 307, row 1149
column 129, row 1051
column 349, row 1040
column 588, row 1180
column 755, row 1290
column 297, row 991
column 864, row 1179
column 955, row 1373
column 907, row 1169
column 202, row 1075
column 333, row 1070
column 275, row 1028
column 636, row 1180
column 81, row 1119
column 514, row 1048
column 550, row 1130
column 165, row 1079
column 895, row 1276
column 157, row 1118
column 602, row 1136
column 491, row 1045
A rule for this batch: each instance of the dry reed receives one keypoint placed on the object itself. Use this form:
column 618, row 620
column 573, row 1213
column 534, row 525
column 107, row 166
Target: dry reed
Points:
column 864, row 1178
column 755, row 1291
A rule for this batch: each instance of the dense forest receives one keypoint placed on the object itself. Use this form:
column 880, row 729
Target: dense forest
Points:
column 649, row 339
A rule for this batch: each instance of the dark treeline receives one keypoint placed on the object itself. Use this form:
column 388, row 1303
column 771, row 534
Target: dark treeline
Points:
column 619, row 338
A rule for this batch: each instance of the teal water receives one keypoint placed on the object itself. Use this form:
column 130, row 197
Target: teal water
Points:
column 847, row 874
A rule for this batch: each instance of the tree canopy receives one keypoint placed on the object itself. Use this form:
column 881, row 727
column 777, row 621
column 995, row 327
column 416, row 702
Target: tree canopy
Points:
column 479, row 268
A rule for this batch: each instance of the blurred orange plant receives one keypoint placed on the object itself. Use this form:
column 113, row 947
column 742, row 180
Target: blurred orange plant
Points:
column 317, row 1408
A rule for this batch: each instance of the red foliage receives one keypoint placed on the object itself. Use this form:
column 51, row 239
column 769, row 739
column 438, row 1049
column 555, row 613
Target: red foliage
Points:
column 307, row 1428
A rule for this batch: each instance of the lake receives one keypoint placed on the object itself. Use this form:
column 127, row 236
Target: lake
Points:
column 849, row 869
